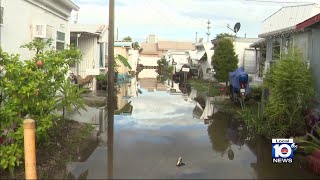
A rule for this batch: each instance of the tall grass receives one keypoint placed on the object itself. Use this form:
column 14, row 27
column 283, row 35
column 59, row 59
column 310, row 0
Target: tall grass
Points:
column 289, row 82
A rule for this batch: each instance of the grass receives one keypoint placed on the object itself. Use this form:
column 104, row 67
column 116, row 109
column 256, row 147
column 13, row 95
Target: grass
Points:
column 203, row 87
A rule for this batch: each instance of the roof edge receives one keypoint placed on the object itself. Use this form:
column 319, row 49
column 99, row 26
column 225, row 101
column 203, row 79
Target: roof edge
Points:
column 308, row 4
column 309, row 22
column 71, row 4
column 268, row 34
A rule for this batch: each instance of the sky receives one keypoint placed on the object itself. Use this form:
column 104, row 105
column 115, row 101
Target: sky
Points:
column 180, row 20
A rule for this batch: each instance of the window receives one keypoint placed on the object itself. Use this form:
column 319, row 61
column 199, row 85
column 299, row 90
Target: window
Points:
column 1, row 15
column 73, row 42
column 60, row 41
column 102, row 58
column 276, row 48
column 287, row 44
column 60, row 46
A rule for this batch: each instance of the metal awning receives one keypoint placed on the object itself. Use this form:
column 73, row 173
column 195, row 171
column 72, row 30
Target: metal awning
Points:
column 199, row 55
column 258, row 43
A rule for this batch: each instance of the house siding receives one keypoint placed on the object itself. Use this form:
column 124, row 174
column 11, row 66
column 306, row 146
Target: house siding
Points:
column 18, row 30
column 315, row 63
column 90, row 56
column 301, row 41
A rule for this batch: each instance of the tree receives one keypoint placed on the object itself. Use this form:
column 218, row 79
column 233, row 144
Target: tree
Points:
column 136, row 46
column 127, row 39
column 224, row 59
column 33, row 87
column 224, row 35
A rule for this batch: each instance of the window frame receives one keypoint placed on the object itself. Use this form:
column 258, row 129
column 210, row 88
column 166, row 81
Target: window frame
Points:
column 60, row 40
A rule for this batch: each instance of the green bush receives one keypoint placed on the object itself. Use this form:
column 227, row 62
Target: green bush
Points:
column 256, row 92
column 33, row 87
column 101, row 77
column 289, row 82
column 313, row 144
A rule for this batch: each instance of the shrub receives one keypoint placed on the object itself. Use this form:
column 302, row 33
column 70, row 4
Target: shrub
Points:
column 290, row 85
column 33, row 87
column 256, row 92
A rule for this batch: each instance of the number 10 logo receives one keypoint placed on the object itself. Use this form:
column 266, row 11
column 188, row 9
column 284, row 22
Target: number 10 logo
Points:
column 282, row 151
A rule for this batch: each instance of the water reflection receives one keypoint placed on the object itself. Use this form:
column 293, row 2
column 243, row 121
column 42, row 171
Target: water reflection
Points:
column 161, row 128
column 110, row 144
column 224, row 132
column 185, row 88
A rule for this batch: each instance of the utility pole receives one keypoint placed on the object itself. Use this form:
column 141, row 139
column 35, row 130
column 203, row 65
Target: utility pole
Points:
column 111, row 92
column 208, row 33
column 196, row 37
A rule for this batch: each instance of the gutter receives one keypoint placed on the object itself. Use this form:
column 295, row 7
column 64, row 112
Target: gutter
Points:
column 291, row 29
column 71, row 4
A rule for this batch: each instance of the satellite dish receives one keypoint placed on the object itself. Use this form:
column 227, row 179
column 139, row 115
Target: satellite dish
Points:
column 237, row 27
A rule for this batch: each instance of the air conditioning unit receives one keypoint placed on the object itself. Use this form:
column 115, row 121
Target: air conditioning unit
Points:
column 43, row 31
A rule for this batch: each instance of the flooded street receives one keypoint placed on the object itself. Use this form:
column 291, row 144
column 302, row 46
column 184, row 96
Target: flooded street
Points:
column 163, row 127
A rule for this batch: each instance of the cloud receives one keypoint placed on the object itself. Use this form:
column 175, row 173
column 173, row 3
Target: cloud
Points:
column 179, row 19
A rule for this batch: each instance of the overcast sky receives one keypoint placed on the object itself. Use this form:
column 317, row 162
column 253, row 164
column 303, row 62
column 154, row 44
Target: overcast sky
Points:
column 181, row 19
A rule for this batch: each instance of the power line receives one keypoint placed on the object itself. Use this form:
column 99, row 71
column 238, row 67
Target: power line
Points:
column 279, row 2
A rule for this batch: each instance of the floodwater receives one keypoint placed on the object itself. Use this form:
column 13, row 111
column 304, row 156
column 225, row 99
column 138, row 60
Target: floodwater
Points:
column 162, row 127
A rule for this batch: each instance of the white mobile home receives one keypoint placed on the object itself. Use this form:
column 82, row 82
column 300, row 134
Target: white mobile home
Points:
column 92, row 41
column 23, row 20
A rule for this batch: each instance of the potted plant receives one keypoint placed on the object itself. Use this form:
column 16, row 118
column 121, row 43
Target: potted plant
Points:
column 102, row 81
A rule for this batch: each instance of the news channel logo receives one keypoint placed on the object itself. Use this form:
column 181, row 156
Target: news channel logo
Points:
column 283, row 150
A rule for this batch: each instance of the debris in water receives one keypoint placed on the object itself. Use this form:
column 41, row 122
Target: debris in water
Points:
column 179, row 162
column 230, row 154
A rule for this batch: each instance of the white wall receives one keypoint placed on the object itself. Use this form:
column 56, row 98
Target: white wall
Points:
column 148, row 61
column 240, row 49
column 133, row 59
column 19, row 18
column 180, row 59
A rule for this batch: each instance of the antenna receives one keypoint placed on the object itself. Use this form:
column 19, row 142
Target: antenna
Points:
column 208, row 33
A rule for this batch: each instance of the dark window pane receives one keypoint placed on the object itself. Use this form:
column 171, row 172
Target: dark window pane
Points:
column 59, row 46
column 61, row 36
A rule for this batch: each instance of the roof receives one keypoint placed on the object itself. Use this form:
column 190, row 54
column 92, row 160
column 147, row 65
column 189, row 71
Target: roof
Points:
column 149, row 48
column 237, row 39
column 246, row 40
column 95, row 29
column 258, row 43
column 287, row 18
column 204, row 48
column 71, row 4
column 122, row 44
column 309, row 22
column 175, row 45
